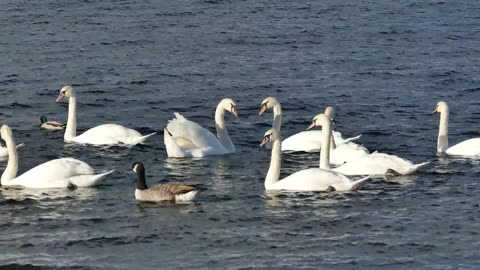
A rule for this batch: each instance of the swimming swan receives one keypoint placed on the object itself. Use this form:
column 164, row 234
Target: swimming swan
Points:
column 107, row 134
column 57, row 173
column 470, row 147
column 184, row 138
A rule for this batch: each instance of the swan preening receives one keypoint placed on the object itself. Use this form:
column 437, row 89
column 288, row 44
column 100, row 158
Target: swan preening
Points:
column 470, row 147
column 107, row 134
column 174, row 192
column 57, row 173
column 314, row 179
column 185, row 138
column 304, row 141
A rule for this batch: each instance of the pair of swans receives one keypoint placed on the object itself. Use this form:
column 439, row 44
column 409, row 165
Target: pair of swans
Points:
column 57, row 173
column 107, row 134
column 343, row 150
column 305, row 141
column 185, row 138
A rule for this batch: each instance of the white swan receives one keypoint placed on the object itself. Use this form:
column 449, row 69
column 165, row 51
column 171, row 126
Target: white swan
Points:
column 57, row 173
column 4, row 151
column 107, row 134
column 344, row 151
column 184, row 138
column 304, row 141
column 469, row 147
column 372, row 164
column 314, row 179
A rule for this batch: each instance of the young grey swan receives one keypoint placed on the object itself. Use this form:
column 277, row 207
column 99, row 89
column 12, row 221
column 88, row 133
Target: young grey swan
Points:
column 173, row 192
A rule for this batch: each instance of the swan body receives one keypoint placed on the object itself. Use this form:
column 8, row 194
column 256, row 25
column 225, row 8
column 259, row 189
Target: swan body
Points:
column 57, row 173
column 185, row 138
column 174, row 192
column 314, row 179
column 304, row 141
column 468, row 148
column 107, row 134
column 347, row 152
column 51, row 125
column 379, row 164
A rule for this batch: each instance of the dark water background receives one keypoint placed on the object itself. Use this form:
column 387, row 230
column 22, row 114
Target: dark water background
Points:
column 383, row 65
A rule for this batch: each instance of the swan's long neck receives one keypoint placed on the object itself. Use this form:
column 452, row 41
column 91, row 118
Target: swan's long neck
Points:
column 275, row 163
column 222, row 132
column 12, row 165
column 71, row 129
column 442, row 142
column 277, row 117
column 325, row 149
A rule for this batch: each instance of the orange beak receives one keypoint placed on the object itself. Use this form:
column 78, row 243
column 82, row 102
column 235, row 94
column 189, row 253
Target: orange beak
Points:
column 263, row 109
column 312, row 125
column 265, row 141
column 60, row 97
column 435, row 111
column 235, row 111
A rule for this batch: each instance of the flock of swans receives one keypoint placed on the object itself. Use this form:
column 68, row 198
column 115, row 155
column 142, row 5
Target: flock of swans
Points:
column 184, row 138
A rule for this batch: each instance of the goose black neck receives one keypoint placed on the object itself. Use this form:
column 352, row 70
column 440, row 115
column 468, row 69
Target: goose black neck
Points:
column 141, row 183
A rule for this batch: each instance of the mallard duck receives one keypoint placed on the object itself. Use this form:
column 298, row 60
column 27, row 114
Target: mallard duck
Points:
column 173, row 192
column 50, row 125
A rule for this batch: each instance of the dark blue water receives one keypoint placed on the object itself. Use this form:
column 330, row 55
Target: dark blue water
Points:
column 383, row 64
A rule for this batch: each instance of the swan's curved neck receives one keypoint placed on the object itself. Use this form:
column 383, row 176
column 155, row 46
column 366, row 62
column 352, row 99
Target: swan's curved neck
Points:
column 12, row 166
column 325, row 149
column 275, row 163
column 222, row 132
column 277, row 117
column 442, row 142
column 71, row 129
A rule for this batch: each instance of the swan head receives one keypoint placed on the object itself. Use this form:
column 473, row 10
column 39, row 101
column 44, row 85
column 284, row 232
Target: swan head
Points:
column 268, row 103
column 229, row 105
column 138, row 167
column 270, row 136
column 66, row 91
column 319, row 120
column 5, row 131
column 441, row 107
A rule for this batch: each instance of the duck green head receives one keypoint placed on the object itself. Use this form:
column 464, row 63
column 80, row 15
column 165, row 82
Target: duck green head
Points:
column 43, row 119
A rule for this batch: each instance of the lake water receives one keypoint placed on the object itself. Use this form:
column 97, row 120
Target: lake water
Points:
column 383, row 64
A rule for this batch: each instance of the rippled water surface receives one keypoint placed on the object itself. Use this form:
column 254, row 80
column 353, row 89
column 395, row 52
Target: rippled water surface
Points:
column 383, row 65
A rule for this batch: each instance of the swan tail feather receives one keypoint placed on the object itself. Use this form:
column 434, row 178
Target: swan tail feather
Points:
column 352, row 139
column 173, row 150
column 359, row 183
column 140, row 139
column 88, row 180
column 420, row 165
column 20, row 145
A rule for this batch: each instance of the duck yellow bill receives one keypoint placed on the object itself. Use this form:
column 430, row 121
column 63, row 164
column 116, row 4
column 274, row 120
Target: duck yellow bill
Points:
column 60, row 97
column 265, row 141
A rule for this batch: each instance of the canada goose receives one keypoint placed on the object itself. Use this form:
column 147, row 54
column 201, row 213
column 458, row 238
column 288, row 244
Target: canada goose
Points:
column 174, row 192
